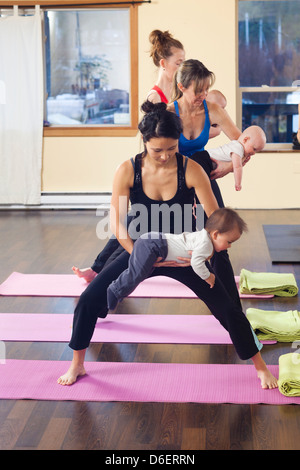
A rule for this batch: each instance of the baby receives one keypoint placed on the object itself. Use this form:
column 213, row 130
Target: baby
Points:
column 252, row 140
column 222, row 228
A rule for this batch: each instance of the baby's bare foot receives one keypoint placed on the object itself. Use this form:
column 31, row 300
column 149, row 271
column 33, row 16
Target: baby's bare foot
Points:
column 268, row 381
column 71, row 375
column 87, row 273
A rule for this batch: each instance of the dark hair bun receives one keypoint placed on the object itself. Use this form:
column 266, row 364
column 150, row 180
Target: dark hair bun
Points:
column 149, row 107
column 159, row 122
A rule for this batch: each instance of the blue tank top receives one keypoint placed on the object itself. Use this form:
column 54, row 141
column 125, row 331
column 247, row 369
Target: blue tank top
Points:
column 188, row 147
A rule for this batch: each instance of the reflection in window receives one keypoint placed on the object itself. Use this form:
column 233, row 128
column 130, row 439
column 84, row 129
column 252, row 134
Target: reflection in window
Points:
column 88, row 67
column 275, row 112
column 269, row 57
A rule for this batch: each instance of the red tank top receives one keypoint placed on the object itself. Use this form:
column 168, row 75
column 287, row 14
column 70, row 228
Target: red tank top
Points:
column 161, row 94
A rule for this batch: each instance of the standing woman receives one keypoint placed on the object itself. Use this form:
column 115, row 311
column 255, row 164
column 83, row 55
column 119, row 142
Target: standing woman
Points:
column 157, row 177
column 167, row 54
column 191, row 85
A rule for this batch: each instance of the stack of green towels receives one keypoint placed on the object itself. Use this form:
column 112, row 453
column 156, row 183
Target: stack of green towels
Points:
column 289, row 374
column 280, row 284
column 273, row 325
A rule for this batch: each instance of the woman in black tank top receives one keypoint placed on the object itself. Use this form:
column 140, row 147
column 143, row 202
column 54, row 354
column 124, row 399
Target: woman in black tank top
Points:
column 160, row 177
column 165, row 220
column 184, row 196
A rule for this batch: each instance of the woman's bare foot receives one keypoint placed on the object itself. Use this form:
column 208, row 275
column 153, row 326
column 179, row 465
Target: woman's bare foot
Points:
column 71, row 376
column 268, row 381
column 87, row 273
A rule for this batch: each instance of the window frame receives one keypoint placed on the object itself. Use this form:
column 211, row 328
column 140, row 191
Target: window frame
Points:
column 272, row 146
column 77, row 5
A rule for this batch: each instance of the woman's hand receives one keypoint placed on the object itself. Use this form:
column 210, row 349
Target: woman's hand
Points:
column 182, row 263
column 211, row 280
column 223, row 168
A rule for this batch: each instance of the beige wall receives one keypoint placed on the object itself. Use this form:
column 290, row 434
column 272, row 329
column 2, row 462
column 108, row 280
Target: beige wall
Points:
column 208, row 32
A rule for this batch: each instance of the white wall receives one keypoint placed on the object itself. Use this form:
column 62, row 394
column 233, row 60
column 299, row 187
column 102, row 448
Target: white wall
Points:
column 208, row 32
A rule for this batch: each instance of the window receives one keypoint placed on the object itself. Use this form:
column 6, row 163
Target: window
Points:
column 88, row 68
column 90, row 54
column 269, row 67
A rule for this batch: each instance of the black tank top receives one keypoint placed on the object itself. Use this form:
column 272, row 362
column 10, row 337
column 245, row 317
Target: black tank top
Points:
column 172, row 216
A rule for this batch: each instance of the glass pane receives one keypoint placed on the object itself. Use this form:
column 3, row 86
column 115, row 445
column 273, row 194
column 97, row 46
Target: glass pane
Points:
column 275, row 112
column 269, row 43
column 88, row 67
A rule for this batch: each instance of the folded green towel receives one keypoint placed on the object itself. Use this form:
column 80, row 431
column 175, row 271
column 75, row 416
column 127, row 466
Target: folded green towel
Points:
column 273, row 325
column 280, row 284
column 289, row 374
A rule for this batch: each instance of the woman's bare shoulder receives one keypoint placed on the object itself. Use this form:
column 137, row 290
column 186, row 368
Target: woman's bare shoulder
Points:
column 125, row 166
column 192, row 165
column 194, row 172
column 171, row 107
column 124, row 173
column 153, row 96
column 213, row 108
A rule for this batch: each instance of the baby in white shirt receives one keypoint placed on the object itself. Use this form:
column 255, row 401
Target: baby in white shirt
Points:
column 252, row 140
column 152, row 249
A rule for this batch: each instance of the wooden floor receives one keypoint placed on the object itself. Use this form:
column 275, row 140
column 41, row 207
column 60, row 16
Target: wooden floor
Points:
column 51, row 242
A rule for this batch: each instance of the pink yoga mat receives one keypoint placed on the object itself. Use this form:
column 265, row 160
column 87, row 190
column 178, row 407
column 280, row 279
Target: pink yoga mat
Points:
column 60, row 285
column 160, row 286
column 116, row 328
column 69, row 285
column 139, row 382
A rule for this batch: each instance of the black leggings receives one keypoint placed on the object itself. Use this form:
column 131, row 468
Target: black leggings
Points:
column 221, row 300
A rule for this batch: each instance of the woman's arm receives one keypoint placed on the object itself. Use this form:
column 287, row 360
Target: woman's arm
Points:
column 219, row 116
column 198, row 179
column 123, row 181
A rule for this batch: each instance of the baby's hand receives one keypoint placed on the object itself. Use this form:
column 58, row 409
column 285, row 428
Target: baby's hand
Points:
column 238, row 188
column 211, row 280
column 245, row 160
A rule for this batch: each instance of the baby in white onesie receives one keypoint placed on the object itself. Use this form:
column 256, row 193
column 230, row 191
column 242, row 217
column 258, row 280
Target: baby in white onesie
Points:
column 152, row 249
column 252, row 140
